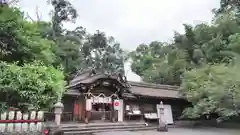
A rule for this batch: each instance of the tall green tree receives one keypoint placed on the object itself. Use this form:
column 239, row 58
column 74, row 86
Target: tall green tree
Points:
column 24, row 82
column 159, row 63
column 21, row 40
column 203, row 61
column 68, row 43
column 197, row 46
column 63, row 11
column 103, row 53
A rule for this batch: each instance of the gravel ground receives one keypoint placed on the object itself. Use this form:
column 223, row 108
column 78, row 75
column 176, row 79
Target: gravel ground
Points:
column 178, row 131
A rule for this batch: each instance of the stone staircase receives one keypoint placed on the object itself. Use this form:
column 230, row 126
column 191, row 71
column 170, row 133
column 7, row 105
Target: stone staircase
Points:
column 104, row 127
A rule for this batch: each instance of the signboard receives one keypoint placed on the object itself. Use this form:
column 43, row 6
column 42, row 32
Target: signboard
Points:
column 96, row 100
column 116, row 104
column 168, row 117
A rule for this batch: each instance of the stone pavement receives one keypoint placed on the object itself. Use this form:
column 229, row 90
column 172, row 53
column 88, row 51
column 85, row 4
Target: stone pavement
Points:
column 178, row 131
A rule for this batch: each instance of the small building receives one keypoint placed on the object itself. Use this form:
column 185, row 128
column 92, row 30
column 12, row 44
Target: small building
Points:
column 101, row 97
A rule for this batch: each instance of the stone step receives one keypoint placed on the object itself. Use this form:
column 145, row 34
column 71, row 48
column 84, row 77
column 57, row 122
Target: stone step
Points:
column 108, row 130
column 101, row 127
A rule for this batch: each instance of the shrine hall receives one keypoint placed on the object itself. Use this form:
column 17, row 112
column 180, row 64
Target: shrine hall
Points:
column 92, row 97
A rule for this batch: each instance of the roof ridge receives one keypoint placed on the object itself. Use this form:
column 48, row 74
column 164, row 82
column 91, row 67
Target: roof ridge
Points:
column 152, row 85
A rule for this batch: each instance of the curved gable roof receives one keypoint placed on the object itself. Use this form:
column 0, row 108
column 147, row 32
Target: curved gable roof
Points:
column 89, row 77
column 133, row 88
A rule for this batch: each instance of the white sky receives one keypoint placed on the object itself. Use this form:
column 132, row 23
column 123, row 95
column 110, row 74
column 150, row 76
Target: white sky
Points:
column 133, row 22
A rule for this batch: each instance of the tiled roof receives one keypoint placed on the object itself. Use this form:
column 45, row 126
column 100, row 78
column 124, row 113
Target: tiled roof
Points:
column 136, row 88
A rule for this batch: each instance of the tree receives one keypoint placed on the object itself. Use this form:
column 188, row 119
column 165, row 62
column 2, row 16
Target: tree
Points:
column 22, row 80
column 69, row 51
column 197, row 46
column 66, row 45
column 159, row 63
column 167, row 70
column 35, row 84
column 212, row 89
column 74, row 49
column 20, row 39
column 9, row 2
column 103, row 54
column 63, row 12
column 23, row 42
column 226, row 5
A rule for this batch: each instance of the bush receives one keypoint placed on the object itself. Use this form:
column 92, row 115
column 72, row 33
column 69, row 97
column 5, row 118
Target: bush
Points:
column 31, row 85
column 212, row 89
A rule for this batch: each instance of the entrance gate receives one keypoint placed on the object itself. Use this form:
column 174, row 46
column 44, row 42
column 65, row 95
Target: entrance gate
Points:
column 101, row 107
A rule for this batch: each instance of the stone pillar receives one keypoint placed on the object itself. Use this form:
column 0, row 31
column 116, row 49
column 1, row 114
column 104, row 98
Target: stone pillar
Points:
column 88, row 113
column 162, row 126
column 115, row 113
column 88, row 110
column 112, row 110
column 58, row 109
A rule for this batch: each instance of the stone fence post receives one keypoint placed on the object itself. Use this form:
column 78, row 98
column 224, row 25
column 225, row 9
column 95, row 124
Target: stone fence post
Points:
column 58, row 109
column 17, row 122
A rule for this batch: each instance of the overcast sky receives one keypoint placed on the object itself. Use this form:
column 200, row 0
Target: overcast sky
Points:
column 133, row 22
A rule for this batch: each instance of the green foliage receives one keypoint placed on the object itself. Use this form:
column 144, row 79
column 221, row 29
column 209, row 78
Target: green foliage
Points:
column 63, row 11
column 212, row 89
column 21, row 40
column 77, row 49
column 203, row 61
column 35, row 84
column 159, row 63
column 68, row 51
column 164, row 63
column 103, row 54
column 226, row 5
column 27, row 83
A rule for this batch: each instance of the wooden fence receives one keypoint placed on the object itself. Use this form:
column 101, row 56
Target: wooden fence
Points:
column 18, row 122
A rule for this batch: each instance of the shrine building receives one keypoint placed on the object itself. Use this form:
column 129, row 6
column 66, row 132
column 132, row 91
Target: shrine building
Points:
column 92, row 97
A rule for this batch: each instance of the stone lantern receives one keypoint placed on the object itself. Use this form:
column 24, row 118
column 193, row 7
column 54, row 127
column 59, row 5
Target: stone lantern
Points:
column 162, row 126
column 58, row 109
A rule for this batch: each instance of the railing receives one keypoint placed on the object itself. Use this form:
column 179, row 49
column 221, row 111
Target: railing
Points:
column 16, row 122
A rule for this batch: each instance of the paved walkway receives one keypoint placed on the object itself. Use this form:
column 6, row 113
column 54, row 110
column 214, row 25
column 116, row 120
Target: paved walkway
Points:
column 178, row 131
